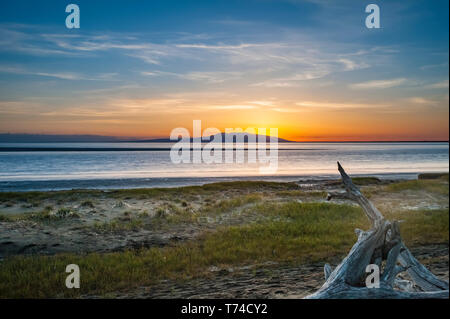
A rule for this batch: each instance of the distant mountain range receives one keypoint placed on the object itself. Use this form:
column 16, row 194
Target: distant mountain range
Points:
column 60, row 138
column 47, row 138
column 223, row 137
column 50, row 138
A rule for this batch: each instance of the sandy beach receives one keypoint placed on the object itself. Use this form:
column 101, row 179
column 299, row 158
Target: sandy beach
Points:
column 167, row 222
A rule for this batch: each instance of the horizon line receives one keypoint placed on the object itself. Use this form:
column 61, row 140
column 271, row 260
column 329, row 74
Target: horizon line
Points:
column 135, row 139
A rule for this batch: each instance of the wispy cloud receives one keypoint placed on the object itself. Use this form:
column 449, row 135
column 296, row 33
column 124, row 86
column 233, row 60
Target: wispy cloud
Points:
column 21, row 39
column 234, row 107
column 210, row 77
column 219, row 47
column 262, row 103
column 439, row 85
column 351, row 65
column 340, row 105
column 428, row 101
column 58, row 75
column 434, row 66
column 379, row 84
column 283, row 63
column 295, row 79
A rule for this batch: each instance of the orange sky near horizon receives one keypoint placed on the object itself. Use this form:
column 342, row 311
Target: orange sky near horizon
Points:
column 296, row 121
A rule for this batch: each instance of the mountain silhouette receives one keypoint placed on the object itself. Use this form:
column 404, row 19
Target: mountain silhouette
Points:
column 61, row 138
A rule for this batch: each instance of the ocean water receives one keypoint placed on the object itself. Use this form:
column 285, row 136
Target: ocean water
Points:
column 52, row 166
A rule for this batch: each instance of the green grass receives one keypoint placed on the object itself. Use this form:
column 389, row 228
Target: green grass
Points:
column 443, row 176
column 422, row 226
column 301, row 194
column 5, row 218
column 299, row 232
column 45, row 215
column 284, row 232
column 362, row 181
column 289, row 232
column 35, row 197
column 145, row 193
column 173, row 214
column 433, row 186
column 227, row 205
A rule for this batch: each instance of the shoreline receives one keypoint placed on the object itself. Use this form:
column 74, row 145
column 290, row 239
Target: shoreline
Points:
column 175, row 182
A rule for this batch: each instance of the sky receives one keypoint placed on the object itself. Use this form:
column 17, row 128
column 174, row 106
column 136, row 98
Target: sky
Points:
column 310, row 68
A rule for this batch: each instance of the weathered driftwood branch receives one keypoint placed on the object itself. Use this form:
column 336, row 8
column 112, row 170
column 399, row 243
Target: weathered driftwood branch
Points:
column 381, row 243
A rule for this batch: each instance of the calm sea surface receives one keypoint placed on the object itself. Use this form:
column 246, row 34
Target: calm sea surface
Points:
column 86, row 165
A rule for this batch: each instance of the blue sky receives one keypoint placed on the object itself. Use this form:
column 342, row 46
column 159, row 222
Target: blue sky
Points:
column 141, row 68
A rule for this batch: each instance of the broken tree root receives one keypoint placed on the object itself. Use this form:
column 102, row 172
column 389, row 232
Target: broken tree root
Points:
column 381, row 245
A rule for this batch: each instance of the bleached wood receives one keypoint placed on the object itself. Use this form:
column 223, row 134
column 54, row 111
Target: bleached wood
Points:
column 327, row 271
column 422, row 277
column 381, row 242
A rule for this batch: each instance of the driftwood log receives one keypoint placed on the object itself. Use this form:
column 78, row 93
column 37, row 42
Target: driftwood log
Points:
column 382, row 246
